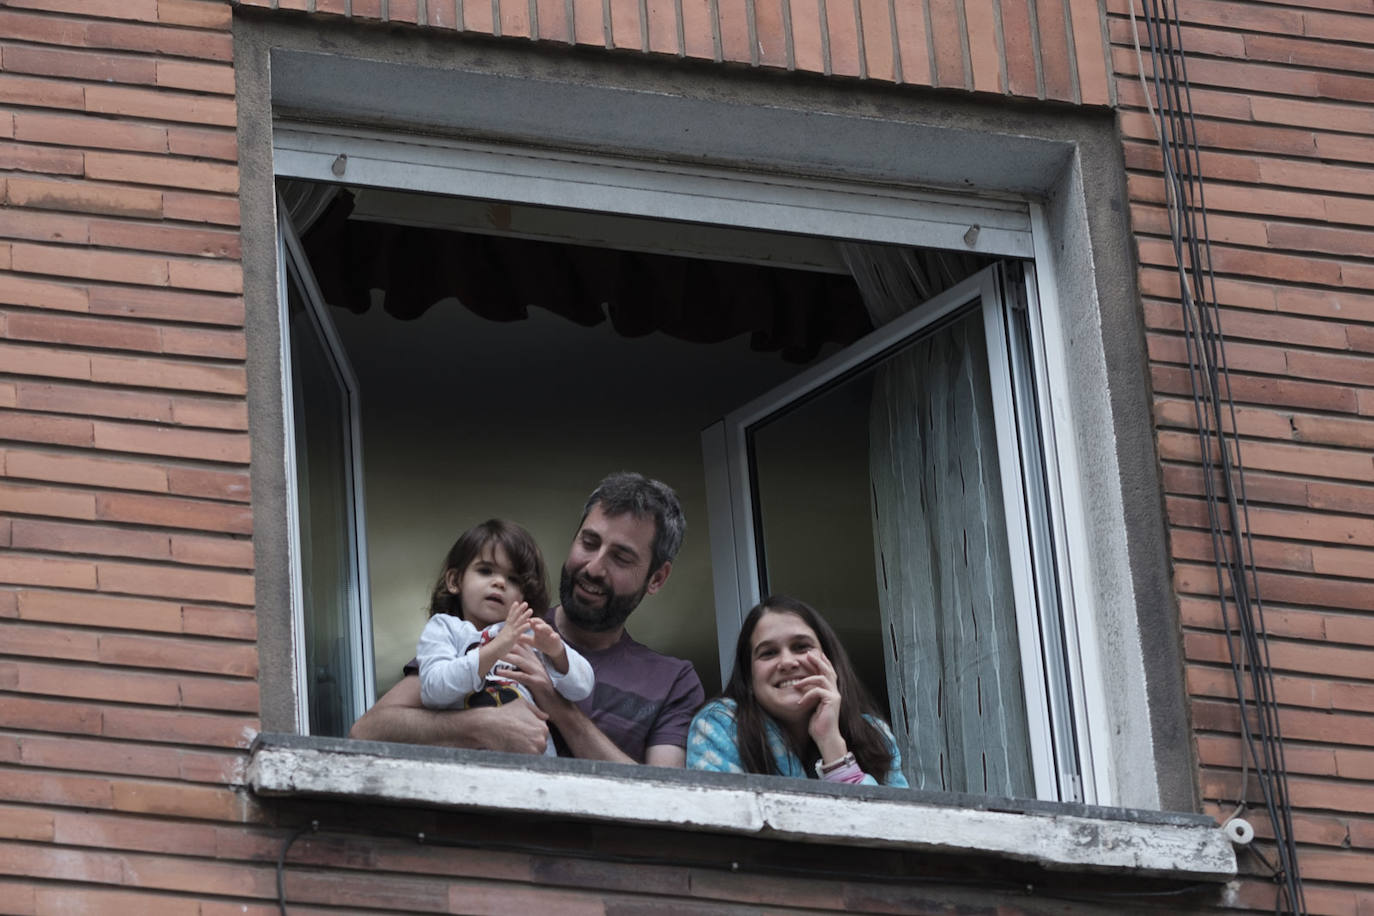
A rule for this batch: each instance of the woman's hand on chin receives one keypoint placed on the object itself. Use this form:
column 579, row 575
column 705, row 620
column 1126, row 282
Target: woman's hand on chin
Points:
column 822, row 694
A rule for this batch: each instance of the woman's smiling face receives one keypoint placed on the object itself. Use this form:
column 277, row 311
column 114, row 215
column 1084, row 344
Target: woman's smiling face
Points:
column 778, row 651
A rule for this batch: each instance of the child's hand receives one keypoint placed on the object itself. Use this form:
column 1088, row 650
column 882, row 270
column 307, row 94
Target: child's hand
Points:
column 519, row 615
column 547, row 640
column 515, row 632
column 516, row 629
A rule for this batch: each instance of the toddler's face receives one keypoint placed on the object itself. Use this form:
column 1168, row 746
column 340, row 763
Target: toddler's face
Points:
column 486, row 588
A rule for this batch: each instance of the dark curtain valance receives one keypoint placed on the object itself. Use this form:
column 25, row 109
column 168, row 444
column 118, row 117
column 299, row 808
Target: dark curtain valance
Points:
column 793, row 312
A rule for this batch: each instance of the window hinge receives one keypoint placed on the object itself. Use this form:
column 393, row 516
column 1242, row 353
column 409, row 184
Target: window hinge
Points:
column 1073, row 787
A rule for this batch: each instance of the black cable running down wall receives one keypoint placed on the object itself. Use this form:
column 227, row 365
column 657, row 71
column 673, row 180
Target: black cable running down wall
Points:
column 1223, row 475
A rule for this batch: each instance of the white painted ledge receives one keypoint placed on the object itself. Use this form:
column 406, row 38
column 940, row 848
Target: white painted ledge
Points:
column 1178, row 846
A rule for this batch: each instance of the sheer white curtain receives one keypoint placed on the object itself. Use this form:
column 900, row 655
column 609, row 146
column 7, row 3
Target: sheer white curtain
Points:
column 306, row 201
column 941, row 556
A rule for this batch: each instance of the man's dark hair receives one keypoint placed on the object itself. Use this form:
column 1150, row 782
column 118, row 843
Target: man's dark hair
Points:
column 626, row 491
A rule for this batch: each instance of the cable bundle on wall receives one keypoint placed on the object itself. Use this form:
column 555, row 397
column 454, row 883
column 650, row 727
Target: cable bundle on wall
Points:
column 1223, row 474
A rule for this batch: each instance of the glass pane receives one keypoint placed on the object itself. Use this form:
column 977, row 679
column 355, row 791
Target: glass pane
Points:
column 323, row 490
column 813, row 514
column 880, row 501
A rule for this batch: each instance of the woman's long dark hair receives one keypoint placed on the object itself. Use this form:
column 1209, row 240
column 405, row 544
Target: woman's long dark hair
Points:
column 868, row 745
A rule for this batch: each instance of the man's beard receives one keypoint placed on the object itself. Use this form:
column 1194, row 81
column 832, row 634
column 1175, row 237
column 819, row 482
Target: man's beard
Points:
column 612, row 614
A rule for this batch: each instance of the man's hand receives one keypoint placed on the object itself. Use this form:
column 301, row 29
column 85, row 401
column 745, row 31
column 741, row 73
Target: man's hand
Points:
column 530, row 672
column 398, row 716
column 584, row 739
column 523, row 729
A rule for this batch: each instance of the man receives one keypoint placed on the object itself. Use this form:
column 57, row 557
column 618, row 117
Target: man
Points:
column 643, row 703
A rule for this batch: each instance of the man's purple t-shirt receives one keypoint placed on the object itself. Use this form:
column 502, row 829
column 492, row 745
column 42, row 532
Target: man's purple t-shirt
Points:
column 642, row 698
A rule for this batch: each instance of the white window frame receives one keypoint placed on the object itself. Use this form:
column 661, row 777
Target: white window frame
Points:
column 989, row 224
column 291, row 258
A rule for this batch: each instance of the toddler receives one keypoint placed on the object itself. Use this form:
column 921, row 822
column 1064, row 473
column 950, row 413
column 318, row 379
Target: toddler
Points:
column 490, row 598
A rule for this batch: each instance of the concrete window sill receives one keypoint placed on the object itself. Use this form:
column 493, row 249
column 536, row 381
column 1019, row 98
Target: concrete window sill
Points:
column 1057, row 836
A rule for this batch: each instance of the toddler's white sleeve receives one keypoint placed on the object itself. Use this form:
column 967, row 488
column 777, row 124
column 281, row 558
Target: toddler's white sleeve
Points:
column 577, row 684
column 448, row 673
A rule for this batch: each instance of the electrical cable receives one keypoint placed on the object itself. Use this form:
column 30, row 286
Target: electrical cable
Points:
column 314, row 827
column 1206, row 348
column 1228, row 513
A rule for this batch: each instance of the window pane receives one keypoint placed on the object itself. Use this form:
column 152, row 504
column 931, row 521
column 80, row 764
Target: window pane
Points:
column 879, row 500
column 323, row 491
column 816, row 537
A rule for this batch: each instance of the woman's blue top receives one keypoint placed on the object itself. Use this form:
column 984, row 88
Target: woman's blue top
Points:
column 713, row 744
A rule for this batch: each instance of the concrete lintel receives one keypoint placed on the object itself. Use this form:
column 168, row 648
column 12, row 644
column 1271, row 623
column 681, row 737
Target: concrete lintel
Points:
column 643, row 797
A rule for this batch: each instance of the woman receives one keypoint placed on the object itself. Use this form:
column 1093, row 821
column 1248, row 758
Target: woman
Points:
column 793, row 706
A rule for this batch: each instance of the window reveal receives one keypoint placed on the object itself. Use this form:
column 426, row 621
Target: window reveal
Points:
column 952, row 589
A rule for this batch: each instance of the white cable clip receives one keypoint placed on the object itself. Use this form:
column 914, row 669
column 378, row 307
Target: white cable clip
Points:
column 1239, row 831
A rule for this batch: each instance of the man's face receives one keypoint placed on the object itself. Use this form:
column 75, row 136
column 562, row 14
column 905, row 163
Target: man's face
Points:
column 607, row 572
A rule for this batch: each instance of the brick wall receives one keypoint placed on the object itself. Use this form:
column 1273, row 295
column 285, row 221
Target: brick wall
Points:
column 1050, row 49
column 1284, row 97
column 128, row 658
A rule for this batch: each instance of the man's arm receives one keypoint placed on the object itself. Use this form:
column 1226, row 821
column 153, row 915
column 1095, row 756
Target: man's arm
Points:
column 583, row 738
column 665, row 755
column 589, row 742
column 400, row 717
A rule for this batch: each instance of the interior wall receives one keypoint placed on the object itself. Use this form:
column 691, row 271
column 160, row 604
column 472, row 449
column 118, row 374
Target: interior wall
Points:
column 465, row 419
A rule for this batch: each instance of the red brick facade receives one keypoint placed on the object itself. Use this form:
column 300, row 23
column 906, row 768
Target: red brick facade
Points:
column 128, row 660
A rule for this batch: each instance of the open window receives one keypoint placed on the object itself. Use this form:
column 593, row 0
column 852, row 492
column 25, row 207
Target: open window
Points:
column 889, row 465
column 613, row 366
column 901, row 484
column 330, row 597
